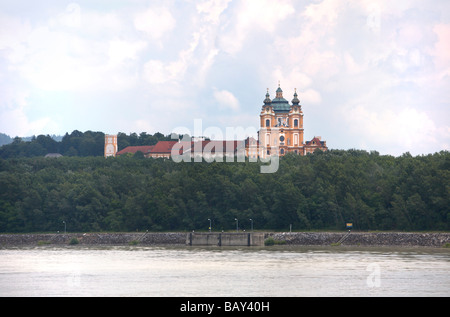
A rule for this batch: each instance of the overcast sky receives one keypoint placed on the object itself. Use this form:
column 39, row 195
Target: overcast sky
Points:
column 372, row 75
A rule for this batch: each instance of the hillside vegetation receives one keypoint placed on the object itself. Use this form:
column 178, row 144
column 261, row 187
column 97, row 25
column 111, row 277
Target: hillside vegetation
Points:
column 320, row 191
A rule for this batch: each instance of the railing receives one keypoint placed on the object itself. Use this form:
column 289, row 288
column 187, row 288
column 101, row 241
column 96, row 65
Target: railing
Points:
column 142, row 236
column 344, row 237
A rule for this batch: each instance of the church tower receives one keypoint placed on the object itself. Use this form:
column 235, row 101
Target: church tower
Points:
column 110, row 145
column 281, row 127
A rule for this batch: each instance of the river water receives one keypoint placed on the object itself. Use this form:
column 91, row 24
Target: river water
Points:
column 224, row 272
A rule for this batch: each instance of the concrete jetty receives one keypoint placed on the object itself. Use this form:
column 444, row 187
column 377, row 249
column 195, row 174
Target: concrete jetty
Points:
column 226, row 239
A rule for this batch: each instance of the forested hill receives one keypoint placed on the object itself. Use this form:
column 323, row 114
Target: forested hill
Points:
column 318, row 191
column 77, row 143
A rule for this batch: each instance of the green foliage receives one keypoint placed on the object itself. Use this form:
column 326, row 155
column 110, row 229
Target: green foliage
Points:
column 74, row 241
column 271, row 241
column 320, row 191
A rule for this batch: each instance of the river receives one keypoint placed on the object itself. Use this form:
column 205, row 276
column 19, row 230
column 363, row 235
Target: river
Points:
column 178, row 271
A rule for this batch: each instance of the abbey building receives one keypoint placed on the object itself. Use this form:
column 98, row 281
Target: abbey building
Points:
column 280, row 132
column 281, row 128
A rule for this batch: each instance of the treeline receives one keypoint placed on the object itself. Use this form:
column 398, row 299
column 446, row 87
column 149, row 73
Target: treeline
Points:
column 77, row 143
column 319, row 191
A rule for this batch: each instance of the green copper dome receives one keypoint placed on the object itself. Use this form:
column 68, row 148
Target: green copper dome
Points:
column 279, row 103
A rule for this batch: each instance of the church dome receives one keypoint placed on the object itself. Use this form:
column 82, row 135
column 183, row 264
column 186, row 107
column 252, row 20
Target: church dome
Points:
column 279, row 103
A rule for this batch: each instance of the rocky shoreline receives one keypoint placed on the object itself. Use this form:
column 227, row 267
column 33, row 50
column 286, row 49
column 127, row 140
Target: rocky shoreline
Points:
column 179, row 238
column 147, row 238
column 365, row 239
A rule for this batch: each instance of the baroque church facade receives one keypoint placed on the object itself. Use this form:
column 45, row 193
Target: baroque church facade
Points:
column 281, row 128
column 281, row 132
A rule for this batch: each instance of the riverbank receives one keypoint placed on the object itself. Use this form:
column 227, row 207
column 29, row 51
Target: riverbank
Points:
column 406, row 239
column 146, row 238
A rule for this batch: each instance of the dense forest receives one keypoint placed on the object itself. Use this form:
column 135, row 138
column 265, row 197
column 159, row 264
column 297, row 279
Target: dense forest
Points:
column 320, row 191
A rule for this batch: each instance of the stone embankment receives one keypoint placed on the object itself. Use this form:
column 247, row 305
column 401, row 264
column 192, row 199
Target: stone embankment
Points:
column 93, row 239
column 179, row 238
column 365, row 238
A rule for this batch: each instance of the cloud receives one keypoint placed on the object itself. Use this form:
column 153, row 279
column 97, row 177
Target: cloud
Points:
column 441, row 50
column 121, row 50
column 395, row 131
column 212, row 9
column 323, row 13
column 359, row 65
column 295, row 80
column 72, row 15
column 57, row 54
column 15, row 122
column 249, row 16
column 226, row 99
column 155, row 21
column 161, row 72
column 12, row 41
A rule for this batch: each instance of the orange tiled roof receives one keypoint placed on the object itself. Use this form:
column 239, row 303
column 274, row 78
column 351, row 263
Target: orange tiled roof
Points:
column 133, row 149
column 163, row 147
column 219, row 146
column 315, row 141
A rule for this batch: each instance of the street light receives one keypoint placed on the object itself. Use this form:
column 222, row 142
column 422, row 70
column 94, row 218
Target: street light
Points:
column 209, row 225
column 64, row 226
column 252, row 223
column 237, row 226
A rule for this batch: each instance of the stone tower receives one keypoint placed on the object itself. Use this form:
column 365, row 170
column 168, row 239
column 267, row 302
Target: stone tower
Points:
column 110, row 145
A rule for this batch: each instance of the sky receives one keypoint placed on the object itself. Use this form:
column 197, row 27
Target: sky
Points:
column 370, row 75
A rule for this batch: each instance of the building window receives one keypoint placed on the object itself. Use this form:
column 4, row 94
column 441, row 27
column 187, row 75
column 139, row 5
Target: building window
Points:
column 296, row 123
column 267, row 123
column 282, row 151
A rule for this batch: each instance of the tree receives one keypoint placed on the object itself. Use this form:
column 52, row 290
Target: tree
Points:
column 314, row 192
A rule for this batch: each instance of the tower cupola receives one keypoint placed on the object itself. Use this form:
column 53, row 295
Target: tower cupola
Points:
column 295, row 101
column 267, row 101
column 279, row 93
column 279, row 103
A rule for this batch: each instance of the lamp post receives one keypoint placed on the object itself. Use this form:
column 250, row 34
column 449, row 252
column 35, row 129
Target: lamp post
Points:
column 251, row 220
column 209, row 225
column 64, row 226
column 237, row 225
